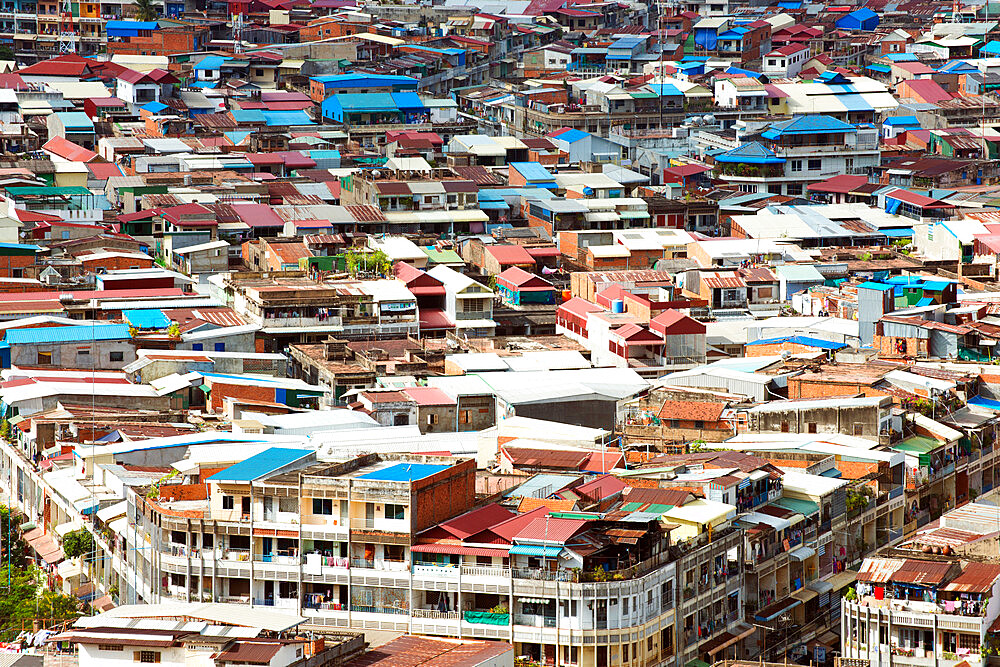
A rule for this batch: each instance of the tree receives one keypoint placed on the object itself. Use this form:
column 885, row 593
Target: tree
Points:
column 145, row 10
column 25, row 601
column 13, row 549
column 78, row 543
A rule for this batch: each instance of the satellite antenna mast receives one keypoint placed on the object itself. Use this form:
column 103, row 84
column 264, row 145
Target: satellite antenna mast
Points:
column 238, row 30
column 67, row 33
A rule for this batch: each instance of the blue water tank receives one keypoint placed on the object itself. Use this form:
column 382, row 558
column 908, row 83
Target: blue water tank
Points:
column 618, row 306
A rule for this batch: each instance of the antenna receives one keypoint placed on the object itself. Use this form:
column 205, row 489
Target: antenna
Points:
column 238, row 30
column 67, row 33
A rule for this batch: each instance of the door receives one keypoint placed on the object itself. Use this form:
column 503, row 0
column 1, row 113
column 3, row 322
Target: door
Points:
column 369, row 515
column 245, row 506
column 267, row 549
column 269, row 508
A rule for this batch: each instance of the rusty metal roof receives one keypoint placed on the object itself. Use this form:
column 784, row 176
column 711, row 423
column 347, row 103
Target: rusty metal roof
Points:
column 924, row 572
column 878, row 570
column 975, row 578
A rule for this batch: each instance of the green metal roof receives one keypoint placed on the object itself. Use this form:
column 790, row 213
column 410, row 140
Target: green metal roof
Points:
column 35, row 190
column 918, row 444
column 804, row 507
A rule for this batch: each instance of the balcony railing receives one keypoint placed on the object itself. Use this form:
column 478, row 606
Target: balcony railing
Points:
column 535, row 621
column 436, row 615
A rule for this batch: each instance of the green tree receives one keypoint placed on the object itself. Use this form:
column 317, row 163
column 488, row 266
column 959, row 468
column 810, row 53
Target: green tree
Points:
column 145, row 10
column 25, row 600
column 12, row 546
column 78, row 543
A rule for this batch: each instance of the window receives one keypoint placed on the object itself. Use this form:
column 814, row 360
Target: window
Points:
column 44, row 359
column 793, row 189
column 259, row 72
column 649, row 643
column 147, row 656
column 432, row 419
column 17, row 273
column 110, row 647
column 288, row 504
column 228, row 502
column 116, row 356
column 475, row 305
column 624, row 652
column 811, row 427
column 859, row 429
column 815, row 164
column 323, row 506
column 393, row 511
column 625, row 608
column 796, row 165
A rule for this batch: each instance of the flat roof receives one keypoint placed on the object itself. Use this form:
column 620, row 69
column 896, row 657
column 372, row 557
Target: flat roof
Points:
column 263, row 464
column 403, row 472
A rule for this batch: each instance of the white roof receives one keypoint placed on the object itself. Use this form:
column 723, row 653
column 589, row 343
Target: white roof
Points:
column 457, row 282
column 112, row 511
column 79, row 90
column 702, row 511
column 387, row 290
column 810, row 485
column 397, row 248
column 228, row 614
column 408, row 164
column 613, row 250
column 211, row 245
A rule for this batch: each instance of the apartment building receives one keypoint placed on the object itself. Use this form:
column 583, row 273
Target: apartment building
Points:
column 917, row 609
column 787, row 156
column 387, row 542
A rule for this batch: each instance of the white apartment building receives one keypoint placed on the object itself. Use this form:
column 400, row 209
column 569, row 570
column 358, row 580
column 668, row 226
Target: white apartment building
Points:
column 787, row 156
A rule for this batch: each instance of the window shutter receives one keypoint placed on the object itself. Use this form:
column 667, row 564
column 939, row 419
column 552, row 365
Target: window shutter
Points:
column 156, row 657
column 135, row 656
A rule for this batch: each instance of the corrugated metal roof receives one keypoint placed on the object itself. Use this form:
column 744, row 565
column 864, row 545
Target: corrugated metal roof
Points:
column 921, row 572
column 975, row 578
column 878, row 570
column 255, row 467
column 72, row 334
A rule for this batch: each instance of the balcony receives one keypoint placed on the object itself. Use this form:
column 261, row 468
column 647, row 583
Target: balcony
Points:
column 435, row 615
column 382, row 565
column 535, row 621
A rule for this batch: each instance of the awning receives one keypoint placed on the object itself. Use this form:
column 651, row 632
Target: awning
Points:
column 759, row 517
column 112, row 511
column 843, row 579
column 67, row 527
column 804, row 594
column 458, row 550
column 535, row 550
column 776, row 609
column 802, row 553
column 821, row 586
column 70, row 568
column 726, row 639
column 119, row 525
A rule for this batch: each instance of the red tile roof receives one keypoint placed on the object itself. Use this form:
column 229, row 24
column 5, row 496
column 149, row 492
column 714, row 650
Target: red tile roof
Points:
column 550, row 529
column 470, row 523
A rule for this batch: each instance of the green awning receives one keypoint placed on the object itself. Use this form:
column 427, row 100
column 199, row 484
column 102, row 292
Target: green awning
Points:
column 205, row 388
column 632, row 215
column 920, row 445
column 804, row 507
column 697, row 663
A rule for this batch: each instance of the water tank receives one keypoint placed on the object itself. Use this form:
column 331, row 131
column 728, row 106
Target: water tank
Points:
column 618, row 306
column 567, row 295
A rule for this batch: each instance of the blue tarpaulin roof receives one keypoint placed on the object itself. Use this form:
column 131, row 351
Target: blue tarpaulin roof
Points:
column 154, row 107
column 800, row 340
column 146, row 318
column 260, row 465
column 984, row 402
column 897, row 232
column 879, row 68
column 81, row 333
column 210, row 62
column 403, row 472
column 129, row 28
